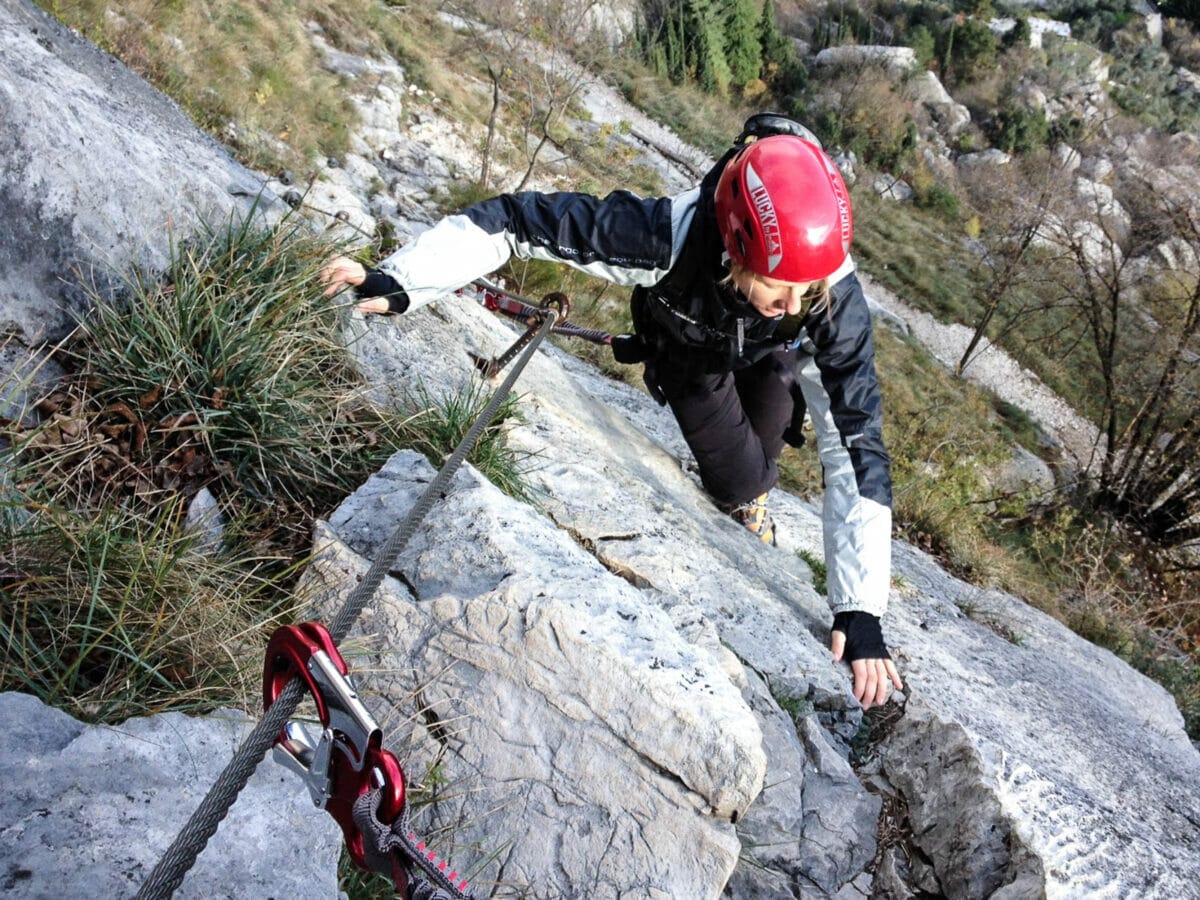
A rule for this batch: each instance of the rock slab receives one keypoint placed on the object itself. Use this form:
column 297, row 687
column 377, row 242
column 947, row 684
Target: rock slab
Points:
column 97, row 168
column 587, row 747
column 88, row 810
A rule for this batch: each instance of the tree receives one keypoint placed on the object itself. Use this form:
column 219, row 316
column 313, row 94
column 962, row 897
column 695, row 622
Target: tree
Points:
column 535, row 53
column 781, row 66
column 1183, row 9
column 921, row 40
column 966, row 49
column 1018, row 35
column 861, row 109
column 1021, row 128
column 1020, row 203
column 1144, row 331
column 692, row 33
column 706, row 43
column 743, row 48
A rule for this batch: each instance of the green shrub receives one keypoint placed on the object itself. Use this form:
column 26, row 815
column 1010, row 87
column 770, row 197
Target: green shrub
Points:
column 819, row 569
column 922, row 41
column 1018, row 424
column 1020, row 129
column 967, row 50
column 1144, row 85
column 1019, row 35
column 938, row 198
column 458, row 195
column 868, row 117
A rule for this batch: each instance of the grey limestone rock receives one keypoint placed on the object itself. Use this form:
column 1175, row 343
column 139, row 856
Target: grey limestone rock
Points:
column 87, row 810
column 889, row 187
column 896, row 60
column 1039, row 764
column 925, row 89
column 63, row 102
column 587, row 743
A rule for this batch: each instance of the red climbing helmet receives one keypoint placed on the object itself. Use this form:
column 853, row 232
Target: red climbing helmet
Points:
column 784, row 211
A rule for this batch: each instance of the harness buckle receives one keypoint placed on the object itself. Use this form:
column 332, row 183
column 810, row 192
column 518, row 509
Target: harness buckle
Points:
column 348, row 759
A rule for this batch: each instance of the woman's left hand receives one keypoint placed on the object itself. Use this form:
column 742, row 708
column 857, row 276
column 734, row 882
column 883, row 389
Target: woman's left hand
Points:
column 873, row 678
column 340, row 273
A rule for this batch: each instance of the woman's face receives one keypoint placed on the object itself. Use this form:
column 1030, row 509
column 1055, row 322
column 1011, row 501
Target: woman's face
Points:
column 771, row 297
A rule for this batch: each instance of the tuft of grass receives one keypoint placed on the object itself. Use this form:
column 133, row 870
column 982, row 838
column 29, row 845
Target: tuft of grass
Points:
column 229, row 372
column 226, row 373
column 356, row 884
column 797, row 708
column 435, row 427
column 1019, row 425
column 458, row 195
column 820, row 571
column 111, row 614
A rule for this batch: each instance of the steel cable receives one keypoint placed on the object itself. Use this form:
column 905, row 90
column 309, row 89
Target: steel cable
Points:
column 179, row 858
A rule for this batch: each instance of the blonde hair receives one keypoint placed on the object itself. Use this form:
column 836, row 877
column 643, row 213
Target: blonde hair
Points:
column 816, row 298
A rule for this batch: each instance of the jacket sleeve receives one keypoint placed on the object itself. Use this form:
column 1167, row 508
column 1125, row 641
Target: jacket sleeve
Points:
column 622, row 238
column 838, row 379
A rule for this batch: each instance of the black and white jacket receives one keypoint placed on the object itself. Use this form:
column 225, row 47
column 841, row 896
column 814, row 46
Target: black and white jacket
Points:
column 668, row 250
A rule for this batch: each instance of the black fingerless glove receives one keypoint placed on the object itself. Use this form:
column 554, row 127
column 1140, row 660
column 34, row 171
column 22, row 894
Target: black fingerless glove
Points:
column 793, row 437
column 864, row 635
column 380, row 284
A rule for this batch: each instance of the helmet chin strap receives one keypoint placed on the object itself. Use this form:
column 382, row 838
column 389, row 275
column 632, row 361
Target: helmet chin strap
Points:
column 739, row 304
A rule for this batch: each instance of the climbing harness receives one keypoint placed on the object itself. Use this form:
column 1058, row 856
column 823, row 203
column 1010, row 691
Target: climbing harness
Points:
column 337, row 698
column 498, row 300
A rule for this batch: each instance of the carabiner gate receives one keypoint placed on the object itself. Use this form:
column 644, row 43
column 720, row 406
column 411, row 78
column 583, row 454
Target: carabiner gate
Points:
column 348, row 759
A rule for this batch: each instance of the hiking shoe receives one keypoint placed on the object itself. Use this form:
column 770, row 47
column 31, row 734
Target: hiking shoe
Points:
column 754, row 516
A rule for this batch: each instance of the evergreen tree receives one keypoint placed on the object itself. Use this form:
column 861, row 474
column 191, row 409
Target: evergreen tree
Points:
column 776, row 47
column 781, row 65
column 973, row 52
column 684, row 39
column 743, row 48
column 1183, row 9
column 1018, row 35
column 677, row 65
column 922, row 41
column 706, row 46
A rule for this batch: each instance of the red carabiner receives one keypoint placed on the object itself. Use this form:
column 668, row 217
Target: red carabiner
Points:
column 348, row 760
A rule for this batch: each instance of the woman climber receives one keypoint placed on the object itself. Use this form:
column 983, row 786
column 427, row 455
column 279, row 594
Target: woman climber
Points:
column 746, row 311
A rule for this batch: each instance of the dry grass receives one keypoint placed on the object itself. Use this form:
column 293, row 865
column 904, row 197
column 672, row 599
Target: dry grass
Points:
column 226, row 376
column 111, row 614
column 250, row 73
